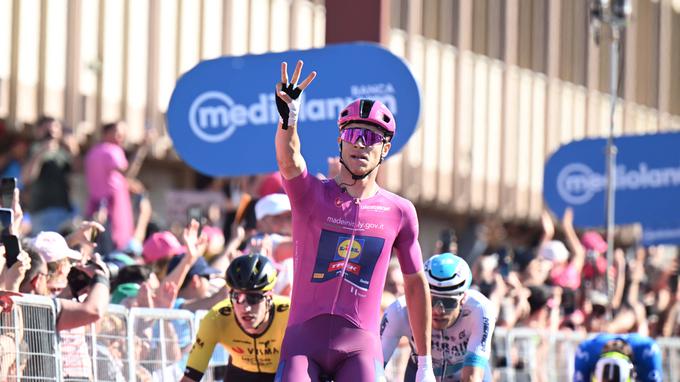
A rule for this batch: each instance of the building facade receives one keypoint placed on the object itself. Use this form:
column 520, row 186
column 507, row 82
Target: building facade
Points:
column 503, row 82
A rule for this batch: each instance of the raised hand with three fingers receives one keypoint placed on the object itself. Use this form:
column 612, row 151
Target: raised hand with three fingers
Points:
column 288, row 94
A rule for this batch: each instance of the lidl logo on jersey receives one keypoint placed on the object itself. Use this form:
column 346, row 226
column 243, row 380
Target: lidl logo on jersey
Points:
column 348, row 251
column 357, row 256
column 223, row 109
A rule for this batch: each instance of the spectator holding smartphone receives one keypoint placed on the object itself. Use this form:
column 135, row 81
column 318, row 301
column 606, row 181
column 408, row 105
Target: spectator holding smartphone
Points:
column 73, row 316
column 52, row 158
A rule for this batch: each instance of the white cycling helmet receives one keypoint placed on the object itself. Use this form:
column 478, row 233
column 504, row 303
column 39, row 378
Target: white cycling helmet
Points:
column 447, row 274
column 613, row 367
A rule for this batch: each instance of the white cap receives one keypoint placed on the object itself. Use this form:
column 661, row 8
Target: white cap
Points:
column 555, row 251
column 272, row 204
column 52, row 247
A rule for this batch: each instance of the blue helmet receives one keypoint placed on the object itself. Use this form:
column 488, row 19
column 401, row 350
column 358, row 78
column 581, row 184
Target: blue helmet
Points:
column 447, row 274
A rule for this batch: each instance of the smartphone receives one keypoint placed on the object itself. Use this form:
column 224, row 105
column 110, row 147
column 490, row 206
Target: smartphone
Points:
column 94, row 234
column 6, row 220
column 7, row 186
column 12, row 249
column 196, row 213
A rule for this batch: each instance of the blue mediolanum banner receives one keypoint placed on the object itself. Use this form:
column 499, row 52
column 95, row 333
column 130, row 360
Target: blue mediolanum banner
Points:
column 669, row 234
column 222, row 117
column 647, row 182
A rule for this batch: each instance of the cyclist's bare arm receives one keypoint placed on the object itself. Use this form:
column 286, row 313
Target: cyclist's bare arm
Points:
column 288, row 154
column 419, row 307
column 187, row 379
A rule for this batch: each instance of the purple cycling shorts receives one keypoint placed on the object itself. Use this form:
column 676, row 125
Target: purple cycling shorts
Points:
column 329, row 347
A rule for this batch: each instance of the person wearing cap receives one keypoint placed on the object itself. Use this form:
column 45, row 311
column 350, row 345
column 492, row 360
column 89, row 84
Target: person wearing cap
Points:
column 73, row 316
column 595, row 267
column 274, row 222
column 125, row 291
column 159, row 248
column 273, row 214
column 345, row 229
column 196, row 286
column 58, row 257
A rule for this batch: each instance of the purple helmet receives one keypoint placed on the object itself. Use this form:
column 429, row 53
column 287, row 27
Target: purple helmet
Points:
column 368, row 111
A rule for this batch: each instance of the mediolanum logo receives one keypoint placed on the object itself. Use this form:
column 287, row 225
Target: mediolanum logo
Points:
column 577, row 183
column 214, row 116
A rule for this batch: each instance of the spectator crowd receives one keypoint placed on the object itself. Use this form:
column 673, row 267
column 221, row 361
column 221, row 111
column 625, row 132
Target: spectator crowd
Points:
column 114, row 248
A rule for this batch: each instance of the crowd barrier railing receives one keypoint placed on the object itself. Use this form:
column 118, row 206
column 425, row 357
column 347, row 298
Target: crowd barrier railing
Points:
column 523, row 354
column 141, row 344
column 29, row 347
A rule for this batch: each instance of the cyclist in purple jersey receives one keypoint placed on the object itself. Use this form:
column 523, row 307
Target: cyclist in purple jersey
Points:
column 344, row 231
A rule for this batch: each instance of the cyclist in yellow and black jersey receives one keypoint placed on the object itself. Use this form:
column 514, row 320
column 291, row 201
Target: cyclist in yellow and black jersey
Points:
column 250, row 324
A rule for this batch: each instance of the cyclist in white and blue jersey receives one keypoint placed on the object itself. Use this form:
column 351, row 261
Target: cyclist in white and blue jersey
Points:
column 462, row 324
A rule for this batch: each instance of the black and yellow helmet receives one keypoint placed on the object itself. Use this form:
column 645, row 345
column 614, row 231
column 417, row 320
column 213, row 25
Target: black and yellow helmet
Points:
column 253, row 272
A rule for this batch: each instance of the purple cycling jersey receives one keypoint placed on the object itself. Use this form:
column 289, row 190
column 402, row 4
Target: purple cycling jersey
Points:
column 342, row 249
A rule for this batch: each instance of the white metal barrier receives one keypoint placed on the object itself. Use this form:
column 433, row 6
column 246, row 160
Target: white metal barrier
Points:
column 153, row 344
column 108, row 345
column 526, row 354
column 670, row 354
column 160, row 340
column 29, row 349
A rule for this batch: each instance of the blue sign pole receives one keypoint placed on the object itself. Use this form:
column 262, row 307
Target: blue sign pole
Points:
column 222, row 118
column 611, row 165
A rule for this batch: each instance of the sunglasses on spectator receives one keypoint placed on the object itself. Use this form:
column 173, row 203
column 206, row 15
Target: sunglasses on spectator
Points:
column 446, row 303
column 370, row 137
column 247, row 298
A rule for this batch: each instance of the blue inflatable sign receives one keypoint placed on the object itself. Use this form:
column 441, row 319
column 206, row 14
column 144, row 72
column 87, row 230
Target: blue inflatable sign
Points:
column 222, row 117
column 647, row 180
column 670, row 234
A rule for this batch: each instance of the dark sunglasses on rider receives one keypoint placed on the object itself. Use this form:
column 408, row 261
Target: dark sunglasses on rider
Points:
column 370, row 137
column 247, row 298
column 446, row 303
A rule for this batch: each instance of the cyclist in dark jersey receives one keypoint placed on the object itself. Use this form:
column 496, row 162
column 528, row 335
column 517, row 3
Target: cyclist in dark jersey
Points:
column 344, row 231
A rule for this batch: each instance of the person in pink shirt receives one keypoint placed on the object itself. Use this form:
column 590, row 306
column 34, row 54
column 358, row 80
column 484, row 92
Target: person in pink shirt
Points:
column 105, row 166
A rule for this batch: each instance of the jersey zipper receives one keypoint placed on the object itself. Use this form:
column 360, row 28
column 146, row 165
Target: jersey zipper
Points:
column 347, row 254
column 257, row 361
